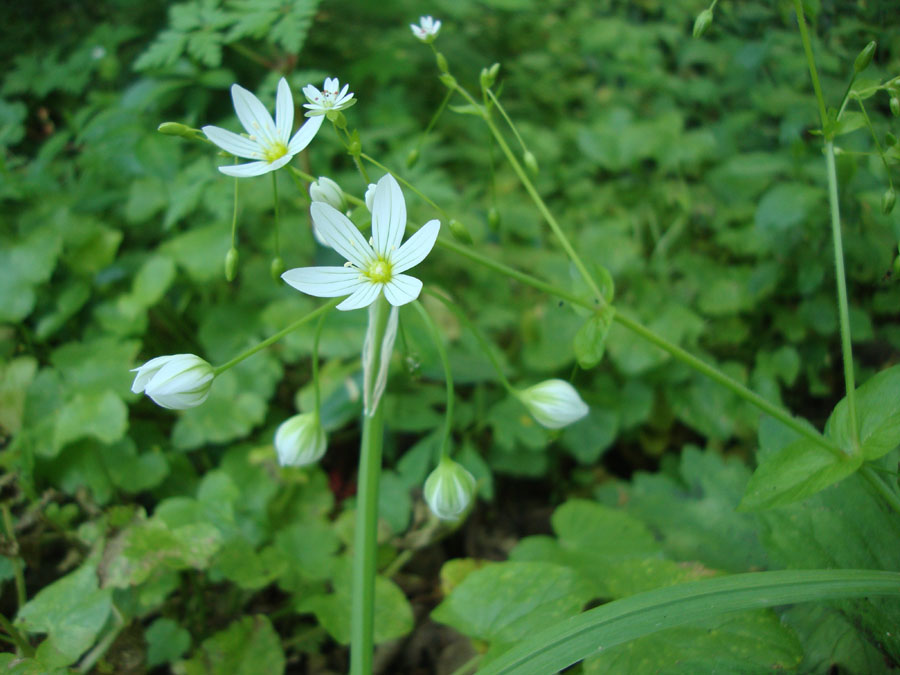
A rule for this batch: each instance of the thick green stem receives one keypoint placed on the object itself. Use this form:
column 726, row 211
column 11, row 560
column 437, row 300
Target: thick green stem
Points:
column 448, row 375
column 365, row 538
column 272, row 339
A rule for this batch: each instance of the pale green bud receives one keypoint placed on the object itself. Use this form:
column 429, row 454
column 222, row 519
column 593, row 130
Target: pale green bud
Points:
column 888, row 199
column 300, row 440
column 460, row 232
column 448, row 80
column 177, row 381
column 493, row 218
column 703, row 22
column 231, row 260
column 449, row 490
column 553, row 403
column 864, row 58
column 177, row 129
column 327, row 191
column 895, row 106
column 442, row 63
column 412, row 158
column 489, row 76
column 530, row 162
column 276, row 268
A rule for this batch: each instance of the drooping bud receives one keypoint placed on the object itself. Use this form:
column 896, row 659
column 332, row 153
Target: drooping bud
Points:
column 300, row 440
column 412, row 158
column 449, row 490
column 176, row 381
column 895, row 106
column 460, row 232
column 276, row 268
column 553, row 403
column 231, row 260
column 530, row 162
column 888, row 199
column 442, row 63
column 177, row 129
column 327, row 191
column 864, row 58
column 493, row 218
column 448, row 80
column 703, row 22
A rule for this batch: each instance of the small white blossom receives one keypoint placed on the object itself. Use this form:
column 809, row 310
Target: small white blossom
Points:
column 268, row 141
column 176, row 381
column 300, row 440
column 373, row 266
column 449, row 489
column 332, row 97
column 554, row 403
column 328, row 192
column 427, row 29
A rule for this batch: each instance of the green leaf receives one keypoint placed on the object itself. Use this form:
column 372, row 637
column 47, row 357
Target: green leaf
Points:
column 100, row 415
column 310, row 547
column 23, row 266
column 71, row 611
column 554, row 648
column 784, row 208
column 590, row 340
column 248, row 646
column 166, row 641
column 281, row 22
column 878, row 411
column 850, row 121
column 15, row 378
column 152, row 280
column 797, row 471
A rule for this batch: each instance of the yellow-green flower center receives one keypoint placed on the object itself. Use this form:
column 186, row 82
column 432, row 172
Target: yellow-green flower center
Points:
column 379, row 271
column 274, row 151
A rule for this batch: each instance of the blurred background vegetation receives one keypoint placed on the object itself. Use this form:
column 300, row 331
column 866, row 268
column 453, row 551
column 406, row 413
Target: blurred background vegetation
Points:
column 137, row 539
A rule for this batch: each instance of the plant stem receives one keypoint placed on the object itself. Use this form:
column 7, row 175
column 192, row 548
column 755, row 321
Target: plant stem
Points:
column 810, row 60
column 277, row 213
column 272, row 339
column 405, row 182
column 315, row 365
column 21, row 643
column 512, row 126
column 876, row 482
column 434, row 119
column 235, row 211
column 21, row 595
column 448, row 375
column 365, row 537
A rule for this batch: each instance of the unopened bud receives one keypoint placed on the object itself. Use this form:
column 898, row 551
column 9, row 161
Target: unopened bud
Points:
column 553, row 403
column 442, row 63
column 300, row 440
column 895, row 106
column 448, row 80
column 888, row 199
column 864, row 58
column 489, row 76
column 176, row 381
column 493, row 218
column 449, row 490
column 530, row 162
column 231, row 260
column 412, row 158
column 703, row 22
column 276, row 268
column 460, row 232
column 327, row 191
column 354, row 148
column 177, row 129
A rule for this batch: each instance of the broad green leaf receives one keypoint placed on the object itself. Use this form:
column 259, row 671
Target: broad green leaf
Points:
column 878, row 416
column 249, row 646
column 23, row 266
column 166, row 641
column 152, row 280
column 850, row 121
column 97, row 365
column 15, row 378
column 100, row 415
column 310, row 547
column 784, row 208
column 799, row 470
column 590, row 340
column 72, row 298
column 240, row 563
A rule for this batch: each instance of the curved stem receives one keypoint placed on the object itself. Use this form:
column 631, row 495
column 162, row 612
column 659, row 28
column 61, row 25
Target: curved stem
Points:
column 448, row 375
column 434, row 119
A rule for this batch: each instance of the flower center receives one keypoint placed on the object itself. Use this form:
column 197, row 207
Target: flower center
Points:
column 379, row 271
column 274, row 151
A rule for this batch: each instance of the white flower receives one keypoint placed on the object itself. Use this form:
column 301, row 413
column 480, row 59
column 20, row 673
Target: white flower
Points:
column 327, row 191
column 373, row 266
column 300, row 440
column 554, row 403
column 320, row 102
column 177, row 381
column 427, row 29
column 449, row 489
column 269, row 141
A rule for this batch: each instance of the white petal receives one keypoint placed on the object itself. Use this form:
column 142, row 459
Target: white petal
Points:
column 284, row 111
column 402, row 289
column 388, row 215
column 324, row 282
column 254, row 168
column 363, row 296
column 253, row 115
column 231, row 142
column 311, row 93
column 416, row 247
column 305, row 134
column 341, row 234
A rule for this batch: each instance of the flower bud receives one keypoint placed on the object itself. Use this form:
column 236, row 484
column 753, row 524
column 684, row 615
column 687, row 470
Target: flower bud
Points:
column 703, row 22
column 327, row 191
column 460, row 232
column 895, row 106
column 448, row 80
column 370, row 196
column 553, row 403
column 354, row 148
column 442, row 63
column 231, row 259
column 530, row 162
column 864, row 58
column 177, row 129
column 888, row 199
column 890, row 139
column 493, row 218
column 449, row 490
column 300, row 440
column 486, row 80
column 276, row 268
column 412, row 158
column 177, row 381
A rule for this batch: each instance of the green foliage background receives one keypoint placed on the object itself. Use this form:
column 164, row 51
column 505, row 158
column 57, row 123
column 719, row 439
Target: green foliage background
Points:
column 684, row 167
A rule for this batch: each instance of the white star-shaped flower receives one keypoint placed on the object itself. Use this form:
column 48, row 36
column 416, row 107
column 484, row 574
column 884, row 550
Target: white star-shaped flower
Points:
column 373, row 266
column 332, row 97
column 268, row 141
column 427, row 29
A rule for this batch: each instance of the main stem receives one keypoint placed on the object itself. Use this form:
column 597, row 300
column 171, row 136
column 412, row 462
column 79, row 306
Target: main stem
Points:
column 365, row 538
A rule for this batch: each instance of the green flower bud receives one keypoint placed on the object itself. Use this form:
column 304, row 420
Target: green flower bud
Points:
column 530, row 162
column 864, row 58
column 300, row 440
column 412, row 158
column 459, row 232
column 177, row 381
column 493, row 218
column 895, row 106
column 276, row 268
column 489, row 76
column 553, row 403
column 888, row 199
column 177, row 129
column 449, row 490
column 703, row 22
column 354, row 148
column 442, row 63
column 448, row 80
column 231, row 260
column 494, row 70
